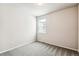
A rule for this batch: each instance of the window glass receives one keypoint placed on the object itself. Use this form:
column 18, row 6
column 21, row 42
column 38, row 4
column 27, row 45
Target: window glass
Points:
column 42, row 26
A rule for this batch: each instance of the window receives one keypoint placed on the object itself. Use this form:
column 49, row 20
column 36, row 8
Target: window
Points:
column 41, row 25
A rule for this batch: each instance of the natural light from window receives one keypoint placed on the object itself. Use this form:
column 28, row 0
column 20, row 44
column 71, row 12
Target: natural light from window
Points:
column 42, row 25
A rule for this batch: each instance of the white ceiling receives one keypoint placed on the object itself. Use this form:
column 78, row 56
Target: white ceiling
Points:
column 37, row 10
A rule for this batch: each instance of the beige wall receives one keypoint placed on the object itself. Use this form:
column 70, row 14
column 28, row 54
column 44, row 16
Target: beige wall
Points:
column 78, row 28
column 17, row 26
column 62, row 29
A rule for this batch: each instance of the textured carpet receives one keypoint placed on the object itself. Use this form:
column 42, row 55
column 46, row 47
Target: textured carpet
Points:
column 40, row 49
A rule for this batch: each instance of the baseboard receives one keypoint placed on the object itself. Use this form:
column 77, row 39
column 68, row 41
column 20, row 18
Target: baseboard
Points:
column 16, row 47
column 60, row 46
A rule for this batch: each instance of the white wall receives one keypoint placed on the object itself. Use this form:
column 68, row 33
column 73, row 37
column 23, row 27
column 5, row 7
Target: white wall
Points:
column 62, row 29
column 17, row 26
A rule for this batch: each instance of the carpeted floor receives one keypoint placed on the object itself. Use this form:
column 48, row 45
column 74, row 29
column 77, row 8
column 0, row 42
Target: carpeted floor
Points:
column 40, row 49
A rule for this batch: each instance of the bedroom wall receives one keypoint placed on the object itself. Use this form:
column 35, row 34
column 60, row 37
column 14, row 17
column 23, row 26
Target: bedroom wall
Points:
column 62, row 28
column 17, row 26
column 78, row 27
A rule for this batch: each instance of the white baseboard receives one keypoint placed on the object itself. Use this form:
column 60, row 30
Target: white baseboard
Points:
column 59, row 46
column 16, row 47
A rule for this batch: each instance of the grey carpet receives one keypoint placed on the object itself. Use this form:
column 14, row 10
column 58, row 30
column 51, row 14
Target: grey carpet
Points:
column 40, row 49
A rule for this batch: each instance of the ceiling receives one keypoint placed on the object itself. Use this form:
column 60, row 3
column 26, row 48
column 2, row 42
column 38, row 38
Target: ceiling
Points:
column 37, row 10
